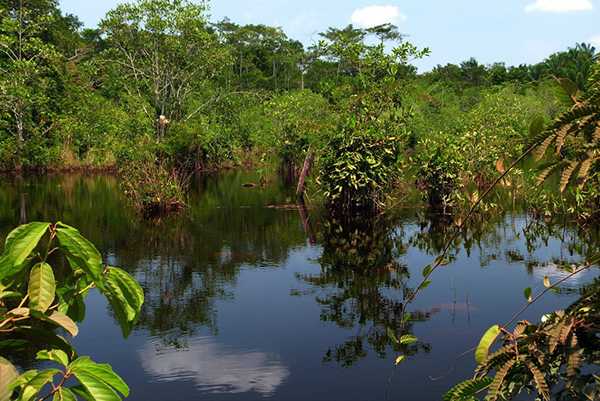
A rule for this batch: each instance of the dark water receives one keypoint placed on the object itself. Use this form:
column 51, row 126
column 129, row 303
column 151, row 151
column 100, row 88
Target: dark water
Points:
column 246, row 301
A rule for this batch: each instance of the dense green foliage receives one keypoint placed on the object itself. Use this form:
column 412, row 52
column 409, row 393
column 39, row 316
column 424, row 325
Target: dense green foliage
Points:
column 159, row 91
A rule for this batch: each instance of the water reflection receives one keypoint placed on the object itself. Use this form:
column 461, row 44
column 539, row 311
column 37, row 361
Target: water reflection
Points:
column 361, row 283
column 215, row 367
column 219, row 316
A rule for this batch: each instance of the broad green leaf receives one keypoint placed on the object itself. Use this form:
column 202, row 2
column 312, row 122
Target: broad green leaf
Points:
column 102, row 372
column 42, row 287
column 424, row 285
column 23, row 379
column 125, row 297
column 130, row 288
column 18, row 246
column 80, row 251
column 98, row 389
column 64, row 394
column 35, row 385
column 65, row 322
column 408, row 339
column 427, row 270
column 81, row 392
column 483, row 349
column 8, row 373
column 54, row 355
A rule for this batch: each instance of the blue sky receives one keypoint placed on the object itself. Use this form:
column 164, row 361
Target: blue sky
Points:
column 513, row 31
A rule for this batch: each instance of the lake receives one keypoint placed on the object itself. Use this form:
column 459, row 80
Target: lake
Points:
column 250, row 298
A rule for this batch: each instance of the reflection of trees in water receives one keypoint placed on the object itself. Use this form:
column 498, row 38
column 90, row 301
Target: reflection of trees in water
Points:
column 184, row 262
column 361, row 285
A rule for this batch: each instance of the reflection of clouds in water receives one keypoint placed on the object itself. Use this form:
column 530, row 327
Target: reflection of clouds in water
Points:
column 215, row 367
column 555, row 273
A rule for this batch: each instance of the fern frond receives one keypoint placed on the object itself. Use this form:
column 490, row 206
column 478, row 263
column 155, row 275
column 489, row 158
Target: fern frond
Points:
column 546, row 173
column 543, row 147
column 566, row 175
column 467, row 390
column 575, row 358
column 560, row 137
column 494, row 389
column 539, row 379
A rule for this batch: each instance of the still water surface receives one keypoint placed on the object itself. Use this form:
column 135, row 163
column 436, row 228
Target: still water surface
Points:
column 246, row 299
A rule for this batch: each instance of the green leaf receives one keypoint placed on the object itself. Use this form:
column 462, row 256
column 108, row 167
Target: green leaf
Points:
column 64, row 394
column 81, row 392
column 65, row 322
column 101, row 371
column 132, row 291
column 35, row 385
column 8, row 373
column 424, row 285
column 408, row 339
column 98, row 389
column 527, row 293
column 80, row 252
column 42, row 287
column 537, row 126
column 18, row 246
column 481, row 353
column 125, row 297
column 54, row 355
column 427, row 270
column 392, row 335
column 399, row 359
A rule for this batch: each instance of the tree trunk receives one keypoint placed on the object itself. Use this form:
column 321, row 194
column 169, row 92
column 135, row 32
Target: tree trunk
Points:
column 312, row 238
column 20, row 136
column 310, row 156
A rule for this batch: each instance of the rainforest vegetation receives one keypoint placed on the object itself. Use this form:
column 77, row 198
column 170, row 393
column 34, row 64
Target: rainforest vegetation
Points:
column 158, row 92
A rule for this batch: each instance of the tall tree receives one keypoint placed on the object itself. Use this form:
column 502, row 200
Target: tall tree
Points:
column 26, row 60
column 163, row 54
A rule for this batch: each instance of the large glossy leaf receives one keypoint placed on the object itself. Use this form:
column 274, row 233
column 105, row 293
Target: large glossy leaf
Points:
column 483, row 349
column 55, row 355
column 131, row 290
column 65, row 322
column 81, row 253
column 18, row 246
column 102, row 372
column 8, row 373
column 97, row 388
column 42, row 287
column 125, row 297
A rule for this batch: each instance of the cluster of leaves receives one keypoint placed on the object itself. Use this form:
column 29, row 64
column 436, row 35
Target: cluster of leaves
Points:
column 576, row 137
column 557, row 359
column 46, row 271
column 153, row 187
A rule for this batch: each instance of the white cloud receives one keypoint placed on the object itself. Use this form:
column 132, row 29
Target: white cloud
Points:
column 595, row 40
column 371, row 16
column 559, row 6
column 215, row 367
